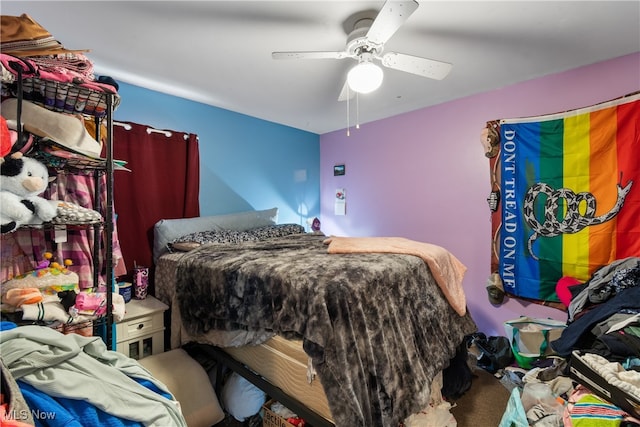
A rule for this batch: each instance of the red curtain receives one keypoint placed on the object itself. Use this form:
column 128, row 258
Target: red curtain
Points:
column 164, row 182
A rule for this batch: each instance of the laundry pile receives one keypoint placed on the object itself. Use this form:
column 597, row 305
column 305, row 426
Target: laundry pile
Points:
column 593, row 377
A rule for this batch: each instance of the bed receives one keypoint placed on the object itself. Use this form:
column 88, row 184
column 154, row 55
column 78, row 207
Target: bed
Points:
column 370, row 351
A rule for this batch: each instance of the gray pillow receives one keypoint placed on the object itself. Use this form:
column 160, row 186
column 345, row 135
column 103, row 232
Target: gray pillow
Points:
column 167, row 230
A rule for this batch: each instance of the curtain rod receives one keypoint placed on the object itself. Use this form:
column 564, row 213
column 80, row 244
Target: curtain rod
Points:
column 166, row 133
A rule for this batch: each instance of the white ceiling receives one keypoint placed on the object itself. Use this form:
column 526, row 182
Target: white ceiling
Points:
column 219, row 52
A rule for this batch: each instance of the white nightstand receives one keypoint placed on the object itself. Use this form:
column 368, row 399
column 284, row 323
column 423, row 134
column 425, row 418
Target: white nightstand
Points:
column 141, row 331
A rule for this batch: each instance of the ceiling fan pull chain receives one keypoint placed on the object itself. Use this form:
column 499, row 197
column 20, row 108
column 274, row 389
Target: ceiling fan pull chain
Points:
column 348, row 130
column 357, row 111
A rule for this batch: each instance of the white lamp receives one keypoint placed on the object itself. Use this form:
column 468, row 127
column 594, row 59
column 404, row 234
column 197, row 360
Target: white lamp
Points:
column 365, row 77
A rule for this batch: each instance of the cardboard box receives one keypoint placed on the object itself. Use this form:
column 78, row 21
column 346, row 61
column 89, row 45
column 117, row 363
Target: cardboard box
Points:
column 271, row 419
column 582, row 373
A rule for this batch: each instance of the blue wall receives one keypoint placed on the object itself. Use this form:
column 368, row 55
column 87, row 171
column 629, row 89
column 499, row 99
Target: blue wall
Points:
column 245, row 163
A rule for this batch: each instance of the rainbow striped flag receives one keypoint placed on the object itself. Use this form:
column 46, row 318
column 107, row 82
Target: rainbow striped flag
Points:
column 570, row 195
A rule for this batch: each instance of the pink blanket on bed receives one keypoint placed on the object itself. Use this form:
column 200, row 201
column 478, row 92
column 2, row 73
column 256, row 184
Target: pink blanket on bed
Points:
column 447, row 270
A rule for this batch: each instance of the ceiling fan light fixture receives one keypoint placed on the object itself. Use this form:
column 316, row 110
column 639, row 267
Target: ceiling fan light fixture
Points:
column 365, row 77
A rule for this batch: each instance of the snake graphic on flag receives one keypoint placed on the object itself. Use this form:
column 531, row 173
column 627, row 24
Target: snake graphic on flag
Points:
column 573, row 220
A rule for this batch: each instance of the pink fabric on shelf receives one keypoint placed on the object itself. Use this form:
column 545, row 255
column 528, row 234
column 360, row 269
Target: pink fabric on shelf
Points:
column 73, row 64
column 31, row 68
column 446, row 268
column 21, row 251
column 80, row 189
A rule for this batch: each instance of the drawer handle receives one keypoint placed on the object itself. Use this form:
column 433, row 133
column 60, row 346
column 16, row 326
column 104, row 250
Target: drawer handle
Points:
column 141, row 325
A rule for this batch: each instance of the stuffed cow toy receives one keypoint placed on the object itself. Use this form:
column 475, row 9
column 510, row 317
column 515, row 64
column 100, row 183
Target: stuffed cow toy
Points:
column 21, row 180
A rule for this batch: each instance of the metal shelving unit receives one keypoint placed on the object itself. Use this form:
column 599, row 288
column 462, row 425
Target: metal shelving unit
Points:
column 99, row 106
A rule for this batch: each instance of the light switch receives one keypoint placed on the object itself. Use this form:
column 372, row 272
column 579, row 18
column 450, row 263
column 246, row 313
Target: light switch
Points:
column 340, row 207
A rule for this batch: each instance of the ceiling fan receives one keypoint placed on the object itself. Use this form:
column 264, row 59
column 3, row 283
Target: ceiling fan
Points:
column 365, row 43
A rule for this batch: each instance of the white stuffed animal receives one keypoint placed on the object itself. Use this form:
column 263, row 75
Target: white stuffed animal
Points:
column 21, row 180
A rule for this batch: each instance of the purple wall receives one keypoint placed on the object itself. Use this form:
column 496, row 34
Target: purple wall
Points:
column 423, row 175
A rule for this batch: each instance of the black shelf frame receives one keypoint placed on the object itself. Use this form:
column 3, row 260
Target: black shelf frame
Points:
column 107, row 227
column 223, row 359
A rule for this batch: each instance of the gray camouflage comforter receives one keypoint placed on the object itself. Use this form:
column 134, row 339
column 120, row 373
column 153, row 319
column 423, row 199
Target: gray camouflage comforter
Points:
column 376, row 326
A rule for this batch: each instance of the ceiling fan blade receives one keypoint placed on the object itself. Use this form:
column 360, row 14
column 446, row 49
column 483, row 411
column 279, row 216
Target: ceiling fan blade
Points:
column 309, row 55
column 346, row 93
column 424, row 67
column 391, row 17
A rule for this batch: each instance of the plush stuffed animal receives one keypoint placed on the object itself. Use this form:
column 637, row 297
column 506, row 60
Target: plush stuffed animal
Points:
column 21, row 180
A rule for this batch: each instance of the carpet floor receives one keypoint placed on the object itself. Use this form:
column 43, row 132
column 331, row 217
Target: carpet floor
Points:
column 484, row 404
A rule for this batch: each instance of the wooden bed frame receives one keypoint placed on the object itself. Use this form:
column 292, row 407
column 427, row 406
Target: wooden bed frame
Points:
column 312, row 418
